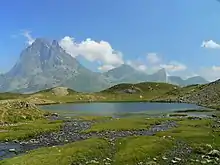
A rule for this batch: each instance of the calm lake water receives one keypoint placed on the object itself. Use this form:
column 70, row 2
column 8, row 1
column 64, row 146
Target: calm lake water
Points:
column 117, row 108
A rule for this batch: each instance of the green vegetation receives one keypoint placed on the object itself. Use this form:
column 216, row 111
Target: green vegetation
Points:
column 141, row 91
column 8, row 95
column 196, row 110
column 14, row 111
column 178, row 115
column 93, row 118
column 132, row 150
column 197, row 133
column 142, row 87
column 193, row 131
column 125, row 124
column 174, row 94
column 91, row 150
column 144, row 92
column 28, row 130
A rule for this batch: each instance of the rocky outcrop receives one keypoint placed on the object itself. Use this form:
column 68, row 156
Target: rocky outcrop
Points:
column 60, row 91
column 208, row 95
column 14, row 111
column 17, row 104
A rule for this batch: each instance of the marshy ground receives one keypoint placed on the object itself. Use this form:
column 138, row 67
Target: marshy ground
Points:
column 104, row 140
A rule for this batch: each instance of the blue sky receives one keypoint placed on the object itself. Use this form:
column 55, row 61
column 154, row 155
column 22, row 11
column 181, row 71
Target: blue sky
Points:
column 146, row 34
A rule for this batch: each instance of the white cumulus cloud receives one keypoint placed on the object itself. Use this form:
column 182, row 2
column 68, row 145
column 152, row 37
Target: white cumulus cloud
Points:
column 137, row 64
column 93, row 51
column 210, row 44
column 28, row 36
column 153, row 58
column 216, row 68
column 211, row 73
column 174, row 66
column 105, row 67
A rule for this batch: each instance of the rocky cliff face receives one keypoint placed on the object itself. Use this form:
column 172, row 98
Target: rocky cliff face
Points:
column 45, row 65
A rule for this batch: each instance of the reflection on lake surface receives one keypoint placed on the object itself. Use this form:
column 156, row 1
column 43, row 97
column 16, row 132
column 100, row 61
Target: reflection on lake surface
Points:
column 119, row 108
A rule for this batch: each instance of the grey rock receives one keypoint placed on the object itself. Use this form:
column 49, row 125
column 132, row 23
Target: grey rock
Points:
column 72, row 131
column 214, row 153
column 43, row 65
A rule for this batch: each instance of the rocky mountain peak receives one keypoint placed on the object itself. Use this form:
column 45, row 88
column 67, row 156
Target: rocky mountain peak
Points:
column 55, row 43
column 42, row 56
column 40, row 42
column 162, row 71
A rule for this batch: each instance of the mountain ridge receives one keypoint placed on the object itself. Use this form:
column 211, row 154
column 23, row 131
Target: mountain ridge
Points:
column 43, row 65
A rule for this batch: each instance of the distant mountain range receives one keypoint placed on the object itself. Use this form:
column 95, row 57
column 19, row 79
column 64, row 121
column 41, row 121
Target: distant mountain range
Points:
column 45, row 64
column 190, row 81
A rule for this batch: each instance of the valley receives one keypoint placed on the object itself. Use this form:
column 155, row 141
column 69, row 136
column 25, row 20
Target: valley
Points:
column 140, row 138
column 154, row 119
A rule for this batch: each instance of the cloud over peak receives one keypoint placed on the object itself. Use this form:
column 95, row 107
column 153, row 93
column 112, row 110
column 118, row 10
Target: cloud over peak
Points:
column 27, row 35
column 174, row 66
column 93, row 51
column 210, row 44
column 153, row 58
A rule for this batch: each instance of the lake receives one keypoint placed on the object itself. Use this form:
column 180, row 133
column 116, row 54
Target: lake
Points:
column 118, row 108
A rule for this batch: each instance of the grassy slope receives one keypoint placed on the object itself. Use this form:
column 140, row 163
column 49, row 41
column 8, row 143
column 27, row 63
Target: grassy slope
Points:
column 209, row 94
column 206, row 95
column 197, row 133
column 68, row 154
column 147, row 90
column 179, row 92
column 14, row 111
column 141, row 87
column 28, row 130
column 125, row 124
column 8, row 95
column 130, row 150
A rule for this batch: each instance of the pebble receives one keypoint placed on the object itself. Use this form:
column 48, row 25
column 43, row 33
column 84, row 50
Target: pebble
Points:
column 72, row 131
column 164, row 158
column 214, row 153
column 177, row 159
column 174, row 161
column 11, row 150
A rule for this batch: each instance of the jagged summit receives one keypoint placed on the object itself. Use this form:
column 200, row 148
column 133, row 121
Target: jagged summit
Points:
column 44, row 65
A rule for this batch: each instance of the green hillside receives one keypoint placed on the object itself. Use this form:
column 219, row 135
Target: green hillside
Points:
column 13, row 111
column 141, row 88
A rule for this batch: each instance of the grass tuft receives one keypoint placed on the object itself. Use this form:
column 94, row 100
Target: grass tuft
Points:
column 28, row 130
column 74, row 153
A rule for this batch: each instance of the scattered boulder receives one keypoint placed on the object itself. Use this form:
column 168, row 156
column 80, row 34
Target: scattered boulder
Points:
column 151, row 163
column 12, row 150
column 54, row 115
column 130, row 91
column 164, row 158
column 214, row 153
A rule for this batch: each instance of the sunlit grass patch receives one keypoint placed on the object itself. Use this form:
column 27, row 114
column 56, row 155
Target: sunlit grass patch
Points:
column 191, row 130
column 75, row 153
column 136, row 149
column 29, row 129
column 118, row 124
